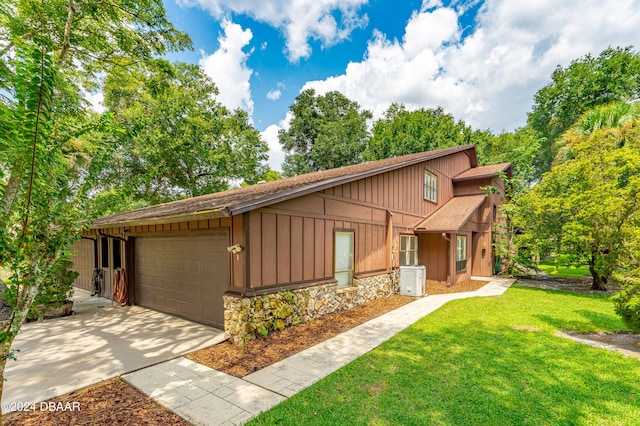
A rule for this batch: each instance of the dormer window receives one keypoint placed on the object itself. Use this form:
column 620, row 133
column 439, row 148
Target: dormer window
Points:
column 430, row 187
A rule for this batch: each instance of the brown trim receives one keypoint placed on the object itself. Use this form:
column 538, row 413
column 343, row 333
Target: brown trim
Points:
column 184, row 233
column 274, row 288
column 294, row 213
column 246, row 263
column 368, row 274
column 130, row 265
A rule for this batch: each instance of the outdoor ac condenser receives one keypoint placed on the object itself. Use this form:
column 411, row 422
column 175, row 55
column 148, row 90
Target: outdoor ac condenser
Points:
column 412, row 280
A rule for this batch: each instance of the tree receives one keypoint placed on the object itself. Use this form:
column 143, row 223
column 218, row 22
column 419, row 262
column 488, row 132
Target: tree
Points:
column 518, row 148
column 326, row 131
column 588, row 205
column 586, row 83
column 52, row 148
column 178, row 141
column 402, row 132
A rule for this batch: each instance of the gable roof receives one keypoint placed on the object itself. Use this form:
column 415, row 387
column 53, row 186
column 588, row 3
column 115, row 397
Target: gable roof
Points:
column 483, row 172
column 240, row 200
column 452, row 216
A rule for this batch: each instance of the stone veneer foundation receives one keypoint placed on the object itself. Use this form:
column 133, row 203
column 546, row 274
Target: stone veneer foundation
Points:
column 247, row 317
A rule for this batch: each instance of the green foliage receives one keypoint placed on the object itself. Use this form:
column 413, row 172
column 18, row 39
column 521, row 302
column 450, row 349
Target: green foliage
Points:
column 52, row 148
column 87, row 38
column 588, row 204
column 627, row 300
column 326, row 131
column 198, row 145
column 519, row 148
column 482, row 361
column 586, row 83
column 402, row 132
column 52, row 293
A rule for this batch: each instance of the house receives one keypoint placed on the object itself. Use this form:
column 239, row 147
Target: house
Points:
column 268, row 255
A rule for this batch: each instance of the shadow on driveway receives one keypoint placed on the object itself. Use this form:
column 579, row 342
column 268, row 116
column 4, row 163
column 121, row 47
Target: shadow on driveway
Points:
column 65, row 354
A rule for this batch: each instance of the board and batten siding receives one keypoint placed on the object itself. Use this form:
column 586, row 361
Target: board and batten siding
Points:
column 292, row 241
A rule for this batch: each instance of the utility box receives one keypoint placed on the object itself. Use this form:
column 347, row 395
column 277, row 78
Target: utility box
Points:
column 412, row 279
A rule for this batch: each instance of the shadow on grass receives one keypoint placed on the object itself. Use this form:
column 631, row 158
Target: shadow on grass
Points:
column 469, row 374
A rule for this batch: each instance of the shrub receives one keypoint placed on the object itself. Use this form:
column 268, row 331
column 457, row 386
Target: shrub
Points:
column 627, row 300
column 52, row 294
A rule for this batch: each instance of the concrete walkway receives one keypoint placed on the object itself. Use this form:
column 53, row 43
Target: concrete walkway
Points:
column 65, row 354
column 205, row 396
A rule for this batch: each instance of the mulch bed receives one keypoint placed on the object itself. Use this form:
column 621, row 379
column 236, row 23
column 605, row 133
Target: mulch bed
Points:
column 107, row 403
column 264, row 351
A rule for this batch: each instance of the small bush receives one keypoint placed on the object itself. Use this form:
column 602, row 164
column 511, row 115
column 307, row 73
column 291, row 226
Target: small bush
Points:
column 627, row 300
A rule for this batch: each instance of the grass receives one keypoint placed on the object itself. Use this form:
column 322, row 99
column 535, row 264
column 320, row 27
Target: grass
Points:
column 482, row 361
column 562, row 269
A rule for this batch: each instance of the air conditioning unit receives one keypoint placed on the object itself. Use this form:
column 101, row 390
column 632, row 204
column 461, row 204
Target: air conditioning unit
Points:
column 412, row 279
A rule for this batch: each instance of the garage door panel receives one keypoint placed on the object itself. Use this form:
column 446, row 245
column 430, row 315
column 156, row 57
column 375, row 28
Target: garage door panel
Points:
column 83, row 258
column 188, row 278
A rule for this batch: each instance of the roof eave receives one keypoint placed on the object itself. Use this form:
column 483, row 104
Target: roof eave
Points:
column 186, row 217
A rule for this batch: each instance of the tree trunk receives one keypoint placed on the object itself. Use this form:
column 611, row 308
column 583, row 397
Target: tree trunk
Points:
column 599, row 282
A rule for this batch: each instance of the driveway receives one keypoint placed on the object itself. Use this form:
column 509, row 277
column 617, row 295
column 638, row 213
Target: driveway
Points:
column 65, row 354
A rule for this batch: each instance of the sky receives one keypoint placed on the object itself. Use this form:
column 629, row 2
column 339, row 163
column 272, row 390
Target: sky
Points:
column 481, row 61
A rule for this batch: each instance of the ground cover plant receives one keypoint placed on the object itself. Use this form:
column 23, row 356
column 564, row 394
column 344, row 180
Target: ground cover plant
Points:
column 483, row 361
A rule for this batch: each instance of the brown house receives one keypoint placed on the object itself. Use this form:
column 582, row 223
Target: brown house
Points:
column 332, row 239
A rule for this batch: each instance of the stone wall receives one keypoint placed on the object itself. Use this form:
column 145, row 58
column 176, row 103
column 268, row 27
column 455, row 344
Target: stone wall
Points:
column 247, row 317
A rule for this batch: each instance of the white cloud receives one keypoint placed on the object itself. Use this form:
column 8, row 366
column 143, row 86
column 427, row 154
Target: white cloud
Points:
column 270, row 135
column 227, row 66
column 274, row 95
column 488, row 78
column 299, row 20
column 96, row 100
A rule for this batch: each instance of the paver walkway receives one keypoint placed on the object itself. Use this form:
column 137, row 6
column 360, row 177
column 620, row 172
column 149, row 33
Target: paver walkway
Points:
column 205, row 396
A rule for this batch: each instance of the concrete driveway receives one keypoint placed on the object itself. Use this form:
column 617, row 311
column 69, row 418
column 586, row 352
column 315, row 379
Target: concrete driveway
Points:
column 65, row 354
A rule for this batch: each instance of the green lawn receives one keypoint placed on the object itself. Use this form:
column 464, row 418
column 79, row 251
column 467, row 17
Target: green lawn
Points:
column 562, row 270
column 483, row 361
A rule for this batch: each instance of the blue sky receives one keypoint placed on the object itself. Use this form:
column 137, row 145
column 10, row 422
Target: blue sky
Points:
column 482, row 61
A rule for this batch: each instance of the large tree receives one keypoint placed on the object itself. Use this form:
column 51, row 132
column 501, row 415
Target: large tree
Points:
column 587, row 82
column 51, row 147
column 177, row 141
column 401, row 132
column 326, row 131
column 588, row 205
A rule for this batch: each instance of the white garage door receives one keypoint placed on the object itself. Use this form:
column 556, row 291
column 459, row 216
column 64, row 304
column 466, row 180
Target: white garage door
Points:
column 185, row 276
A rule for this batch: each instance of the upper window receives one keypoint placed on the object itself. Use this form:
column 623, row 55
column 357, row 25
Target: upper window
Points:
column 344, row 258
column 408, row 250
column 430, row 187
column 461, row 253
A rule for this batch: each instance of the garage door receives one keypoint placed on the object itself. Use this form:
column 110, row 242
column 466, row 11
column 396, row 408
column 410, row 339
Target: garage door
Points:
column 185, row 276
column 83, row 258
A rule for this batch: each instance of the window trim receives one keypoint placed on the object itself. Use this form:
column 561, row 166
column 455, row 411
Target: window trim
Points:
column 414, row 250
column 350, row 271
column 430, row 187
column 461, row 253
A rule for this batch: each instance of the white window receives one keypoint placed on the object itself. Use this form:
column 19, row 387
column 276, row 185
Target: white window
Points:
column 344, row 258
column 430, row 187
column 461, row 253
column 408, row 250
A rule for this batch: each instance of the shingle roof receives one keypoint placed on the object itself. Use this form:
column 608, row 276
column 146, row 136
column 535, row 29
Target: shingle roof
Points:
column 484, row 171
column 452, row 216
column 240, row 200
